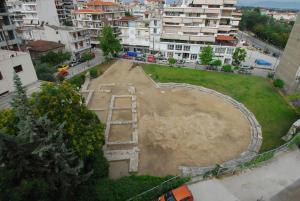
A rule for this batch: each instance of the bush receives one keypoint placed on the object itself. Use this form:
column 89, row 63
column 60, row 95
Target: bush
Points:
column 217, row 62
column 278, row 83
column 172, row 61
column 227, row 68
column 77, row 80
column 271, row 75
column 93, row 73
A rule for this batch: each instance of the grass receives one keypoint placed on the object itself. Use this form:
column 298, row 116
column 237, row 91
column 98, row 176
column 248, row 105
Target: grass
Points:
column 256, row 93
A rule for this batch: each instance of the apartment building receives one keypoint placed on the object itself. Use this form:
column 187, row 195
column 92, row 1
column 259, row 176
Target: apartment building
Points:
column 93, row 15
column 8, row 36
column 134, row 33
column 186, row 29
column 76, row 40
column 30, row 13
column 289, row 66
column 64, row 8
column 15, row 62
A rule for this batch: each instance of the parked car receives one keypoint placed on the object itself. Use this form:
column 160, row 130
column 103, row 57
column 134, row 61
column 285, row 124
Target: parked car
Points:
column 73, row 63
column 181, row 193
column 140, row 58
column 63, row 67
column 63, row 73
column 151, row 58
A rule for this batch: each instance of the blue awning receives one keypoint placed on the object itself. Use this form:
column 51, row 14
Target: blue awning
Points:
column 262, row 62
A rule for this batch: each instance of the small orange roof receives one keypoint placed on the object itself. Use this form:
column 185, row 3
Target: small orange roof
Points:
column 181, row 192
column 89, row 11
column 100, row 3
column 128, row 18
column 225, row 38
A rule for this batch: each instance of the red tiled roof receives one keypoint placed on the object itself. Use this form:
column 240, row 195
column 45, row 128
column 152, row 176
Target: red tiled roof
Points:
column 43, row 45
column 88, row 11
column 225, row 38
column 100, row 3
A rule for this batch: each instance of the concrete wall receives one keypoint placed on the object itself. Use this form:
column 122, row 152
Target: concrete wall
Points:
column 290, row 61
column 47, row 12
column 28, row 75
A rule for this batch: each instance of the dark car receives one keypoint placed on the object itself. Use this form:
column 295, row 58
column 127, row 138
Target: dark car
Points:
column 140, row 58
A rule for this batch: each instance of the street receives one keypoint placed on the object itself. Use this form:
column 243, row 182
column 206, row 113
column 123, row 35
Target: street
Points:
column 86, row 65
column 251, row 40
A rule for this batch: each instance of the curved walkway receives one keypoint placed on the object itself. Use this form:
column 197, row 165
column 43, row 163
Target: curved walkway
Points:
column 276, row 180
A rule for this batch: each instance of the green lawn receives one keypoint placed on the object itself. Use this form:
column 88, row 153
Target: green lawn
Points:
column 259, row 96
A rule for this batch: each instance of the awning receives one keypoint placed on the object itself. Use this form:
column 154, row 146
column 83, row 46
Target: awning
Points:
column 225, row 38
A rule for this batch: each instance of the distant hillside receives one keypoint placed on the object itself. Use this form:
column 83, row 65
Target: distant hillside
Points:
column 271, row 4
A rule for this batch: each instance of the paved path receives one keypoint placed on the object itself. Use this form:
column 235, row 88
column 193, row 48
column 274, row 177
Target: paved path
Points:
column 277, row 180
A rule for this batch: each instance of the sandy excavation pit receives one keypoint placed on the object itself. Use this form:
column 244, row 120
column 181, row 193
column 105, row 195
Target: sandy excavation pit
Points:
column 120, row 133
column 176, row 127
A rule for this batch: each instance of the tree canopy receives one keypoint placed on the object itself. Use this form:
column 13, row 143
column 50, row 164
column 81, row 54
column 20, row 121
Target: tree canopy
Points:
column 266, row 27
column 45, row 72
column 206, row 55
column 54, row 58
column 109, row 44
column 238, row 56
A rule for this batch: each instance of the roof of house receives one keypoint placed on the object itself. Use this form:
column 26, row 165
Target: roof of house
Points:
column 88, row 11
column 225, row 38
column 101, row 3
column 43, row 45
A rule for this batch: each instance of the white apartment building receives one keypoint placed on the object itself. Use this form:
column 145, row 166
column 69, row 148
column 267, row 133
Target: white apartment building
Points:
column 15, row 62
column 64, row 8
column 186, row 29
column 134, row 33
column 76, row 40
column 33, row 12
column 95, row 14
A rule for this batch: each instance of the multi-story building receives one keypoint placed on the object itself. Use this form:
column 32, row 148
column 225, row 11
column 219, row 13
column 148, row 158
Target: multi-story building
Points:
column 197, row 23
column 64, row 8
column 95, row 14
column 33, row 12
column 134, row 33
column 15, row 62
column 76, row 40
column 289, row 66
column 8, row 36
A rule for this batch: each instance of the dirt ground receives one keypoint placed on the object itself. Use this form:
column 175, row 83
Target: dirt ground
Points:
column 175, row 126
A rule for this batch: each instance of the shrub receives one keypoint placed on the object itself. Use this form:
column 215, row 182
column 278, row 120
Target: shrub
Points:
column 217, row 62
column 171, row 61
column 227, row 68
column 271, row 75
column 278, row 83
column 93, row 73
column 77, row 80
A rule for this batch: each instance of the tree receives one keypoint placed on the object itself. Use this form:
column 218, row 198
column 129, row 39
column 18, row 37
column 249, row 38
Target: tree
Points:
column 238, row 56
column 45, row 72
column 54, row 58
column 109, row 44
column 206, row 55
column 87, row 56
column 127, row 13
column 62, row 103
column 171, row 61
column 37, row 157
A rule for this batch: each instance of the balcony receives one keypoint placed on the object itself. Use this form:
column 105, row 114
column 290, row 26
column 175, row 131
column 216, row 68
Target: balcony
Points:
column 208, row 2
column 212, row 10
column 193, row 10
column 172, row 20
column 230, row 2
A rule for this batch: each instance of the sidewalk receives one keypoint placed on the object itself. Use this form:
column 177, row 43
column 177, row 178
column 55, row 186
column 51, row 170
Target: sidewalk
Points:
column 277, row 180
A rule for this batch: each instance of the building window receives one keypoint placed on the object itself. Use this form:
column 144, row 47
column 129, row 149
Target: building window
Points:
column 18, row 68
column 155, row 30
column 230, row 50
column 56, row 32
column 193, row 56
column 155, row 22
column 170, row 47
column 220, row 50
column 1, row 77
column 170, row 54
column 186, row 48
column 178, row 47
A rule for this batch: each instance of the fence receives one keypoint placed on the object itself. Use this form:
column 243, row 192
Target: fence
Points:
column 218, row 170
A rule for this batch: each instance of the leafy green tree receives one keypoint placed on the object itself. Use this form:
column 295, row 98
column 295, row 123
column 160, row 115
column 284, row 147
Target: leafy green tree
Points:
column 45, row 72
column 206, row 55
column 54, row 58
column 109, row 44
column 62, row 103
column 278, row 83
column 37, row 157
column 172, row 61
column 87, row 56
column 238, row 56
